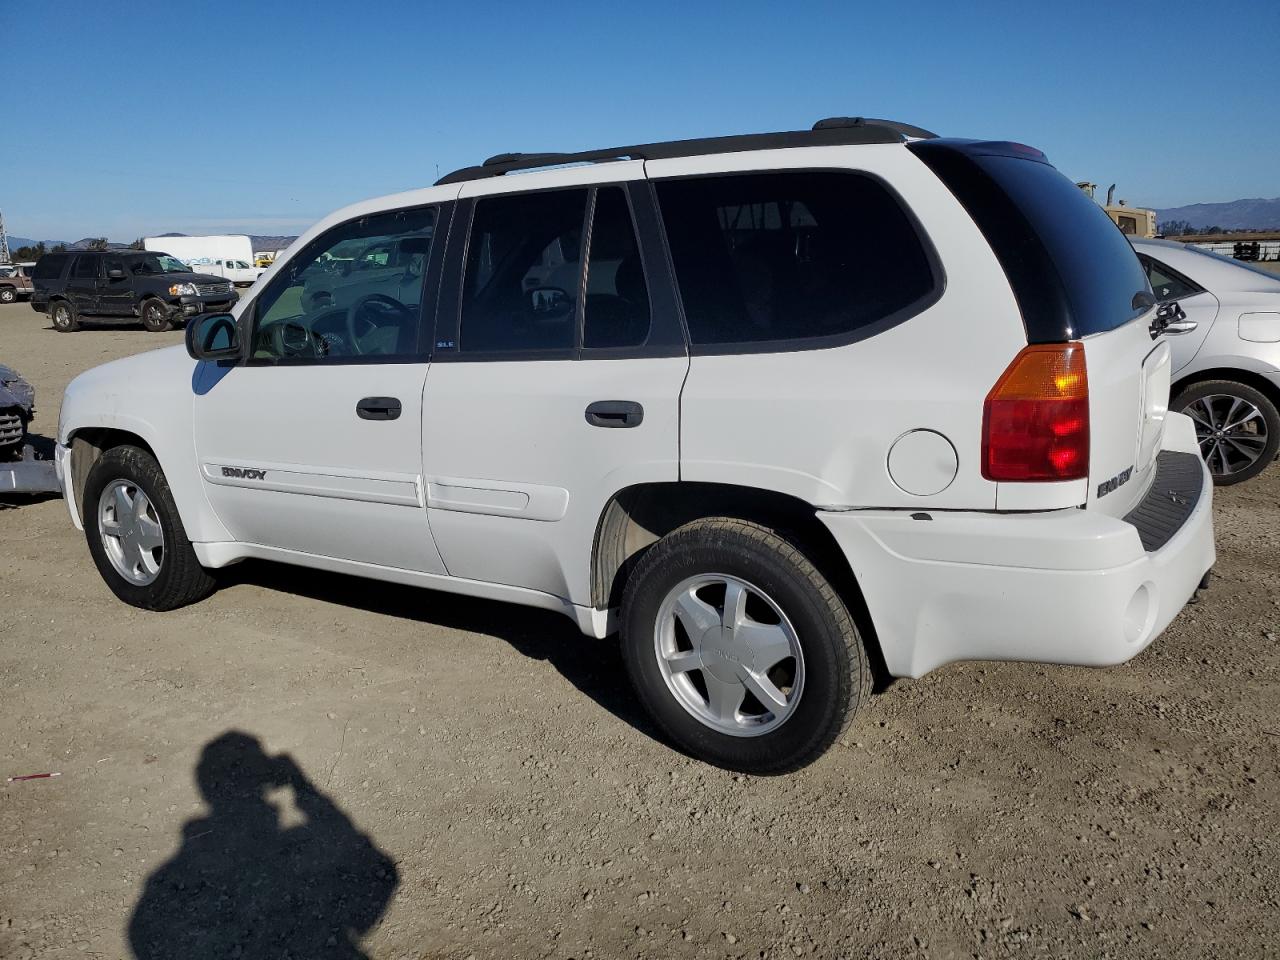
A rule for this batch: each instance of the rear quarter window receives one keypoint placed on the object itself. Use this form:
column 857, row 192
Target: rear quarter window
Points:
column 49, row 267
column 792, row 259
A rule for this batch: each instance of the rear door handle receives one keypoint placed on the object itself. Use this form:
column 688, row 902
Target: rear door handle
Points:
column 615, row 413
column 378, row 408
column 1181, row 326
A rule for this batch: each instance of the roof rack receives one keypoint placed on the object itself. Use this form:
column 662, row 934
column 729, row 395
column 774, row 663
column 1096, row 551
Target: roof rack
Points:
column 833, row 131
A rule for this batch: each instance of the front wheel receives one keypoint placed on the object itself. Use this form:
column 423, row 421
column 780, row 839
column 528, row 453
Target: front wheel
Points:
column 135, row 535
column 155, row 316
column 8, row 295
column 1237, row 425
column 739, row 647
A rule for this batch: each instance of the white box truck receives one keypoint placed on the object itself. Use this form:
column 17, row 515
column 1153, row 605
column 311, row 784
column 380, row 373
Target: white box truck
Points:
column 229, row 256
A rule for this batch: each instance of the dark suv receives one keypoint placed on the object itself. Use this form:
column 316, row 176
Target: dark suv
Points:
column 159, row 289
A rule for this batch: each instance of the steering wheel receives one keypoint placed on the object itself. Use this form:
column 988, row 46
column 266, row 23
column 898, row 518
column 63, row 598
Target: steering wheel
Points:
column 384, row 302
column 288, row 339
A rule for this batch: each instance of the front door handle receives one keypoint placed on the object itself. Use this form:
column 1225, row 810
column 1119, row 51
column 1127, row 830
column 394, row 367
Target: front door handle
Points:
column 615, row 413
column 378, row 408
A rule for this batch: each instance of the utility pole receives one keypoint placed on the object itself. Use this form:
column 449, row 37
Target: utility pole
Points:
column 4, row 241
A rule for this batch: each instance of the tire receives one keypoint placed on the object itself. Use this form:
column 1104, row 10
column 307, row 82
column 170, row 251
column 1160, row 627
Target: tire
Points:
column 63, row 315
column 8, row 295
column 155, row 316
column 178, row 579
column 1253, row 422
column 824, row 685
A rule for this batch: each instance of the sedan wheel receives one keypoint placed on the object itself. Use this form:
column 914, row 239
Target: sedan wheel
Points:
column 1232, row 432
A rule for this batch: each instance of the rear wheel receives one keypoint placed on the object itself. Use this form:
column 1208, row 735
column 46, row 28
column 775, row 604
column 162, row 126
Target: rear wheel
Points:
column 1237, row 425
column 740, row 649
column 155, row 316
column 135, row 535
column 64, row 318
column 8, row 295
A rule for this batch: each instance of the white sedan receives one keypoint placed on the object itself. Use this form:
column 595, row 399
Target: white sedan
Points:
column 1226, row 353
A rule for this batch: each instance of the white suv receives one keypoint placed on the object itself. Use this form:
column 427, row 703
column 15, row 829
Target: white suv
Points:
column 783, row 409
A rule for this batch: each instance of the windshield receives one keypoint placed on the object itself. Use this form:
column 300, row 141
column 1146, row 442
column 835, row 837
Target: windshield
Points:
column 158, row 263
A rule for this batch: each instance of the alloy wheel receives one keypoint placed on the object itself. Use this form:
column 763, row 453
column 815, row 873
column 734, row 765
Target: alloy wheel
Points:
column 1231, row 430
column 131, row 533
column 729, row 655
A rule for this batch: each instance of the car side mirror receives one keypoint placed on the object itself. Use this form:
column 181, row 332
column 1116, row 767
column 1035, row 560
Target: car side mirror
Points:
column 116, row 274
column 1143, row 301
column 213, row 336
column 549, row 300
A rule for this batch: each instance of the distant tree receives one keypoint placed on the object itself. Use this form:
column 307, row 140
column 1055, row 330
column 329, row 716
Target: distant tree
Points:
column 1176, row 228
column 136, row 245
column 25, row 253
column 98, row 243
column 59, row 248
column 40, row 249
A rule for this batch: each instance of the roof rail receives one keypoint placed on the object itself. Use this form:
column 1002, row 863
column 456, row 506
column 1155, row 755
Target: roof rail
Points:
column 906, row 129
column 834, row 131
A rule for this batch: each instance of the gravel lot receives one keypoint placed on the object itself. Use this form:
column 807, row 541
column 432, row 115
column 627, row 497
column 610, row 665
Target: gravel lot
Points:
column 475, row 779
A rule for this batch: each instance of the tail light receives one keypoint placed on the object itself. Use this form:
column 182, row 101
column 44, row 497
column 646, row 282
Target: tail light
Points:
column 1035, row 423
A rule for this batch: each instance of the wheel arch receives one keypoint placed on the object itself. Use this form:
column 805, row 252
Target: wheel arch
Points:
column 638, row 516
column 1262, row 384
column 141, row 301
column 88, row 444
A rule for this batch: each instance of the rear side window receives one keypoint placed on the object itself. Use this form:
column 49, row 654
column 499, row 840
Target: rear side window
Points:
column 616, row 307
column 1167, row 283
column 86, row 268
column 49, row 267
column 803, row 258
column 1072, row 270
column 523, row 273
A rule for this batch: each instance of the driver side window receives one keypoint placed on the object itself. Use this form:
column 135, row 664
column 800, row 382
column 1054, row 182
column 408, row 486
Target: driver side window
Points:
column 355, row 291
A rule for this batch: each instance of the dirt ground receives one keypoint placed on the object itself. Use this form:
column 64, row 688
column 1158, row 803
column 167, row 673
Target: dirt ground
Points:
column 436, row 777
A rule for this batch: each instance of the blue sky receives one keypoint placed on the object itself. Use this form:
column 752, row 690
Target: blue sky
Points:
column 263, row 116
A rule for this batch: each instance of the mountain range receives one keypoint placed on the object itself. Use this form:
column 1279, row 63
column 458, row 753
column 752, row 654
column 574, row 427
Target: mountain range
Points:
column 1256, row 214
column 260, row 243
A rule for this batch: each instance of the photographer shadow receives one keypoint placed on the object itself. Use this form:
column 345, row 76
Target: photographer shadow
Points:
column 247, row 885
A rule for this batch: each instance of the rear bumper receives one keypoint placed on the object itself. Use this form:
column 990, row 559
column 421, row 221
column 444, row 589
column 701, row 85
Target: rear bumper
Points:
column 1066, row 586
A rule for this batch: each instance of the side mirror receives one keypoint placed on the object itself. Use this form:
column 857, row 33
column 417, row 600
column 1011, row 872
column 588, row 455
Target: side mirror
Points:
column 549, row 301
column 213, row 336
column 116, row 274
column 1143, row 301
